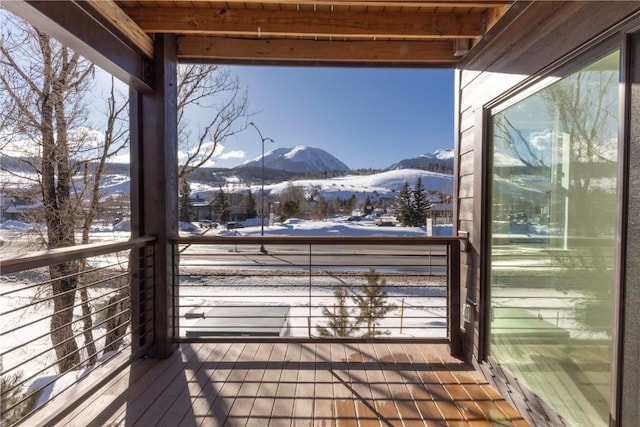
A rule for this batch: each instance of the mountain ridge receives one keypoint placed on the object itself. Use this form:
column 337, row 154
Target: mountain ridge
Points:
column 299, row 159
column 440, row 160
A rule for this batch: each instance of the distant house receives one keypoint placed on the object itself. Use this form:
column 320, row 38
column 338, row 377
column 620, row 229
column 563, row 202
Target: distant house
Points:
column 19, row 209
column 202, row 208
column 441, row 213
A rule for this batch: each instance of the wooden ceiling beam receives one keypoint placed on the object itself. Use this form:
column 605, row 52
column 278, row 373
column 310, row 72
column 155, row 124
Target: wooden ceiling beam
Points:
column 120, row 20
column 291, row 23
column 281, row 51
column 73, row 25
column 378, row 3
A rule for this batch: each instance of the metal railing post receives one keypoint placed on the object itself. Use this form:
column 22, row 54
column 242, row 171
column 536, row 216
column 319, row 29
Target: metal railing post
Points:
column 310, row 279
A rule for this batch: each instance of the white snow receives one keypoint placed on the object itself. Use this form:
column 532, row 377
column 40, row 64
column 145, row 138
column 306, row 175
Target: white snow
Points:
column 335, row 228
column 443, row 154
column 299, row 159
column 377, row 186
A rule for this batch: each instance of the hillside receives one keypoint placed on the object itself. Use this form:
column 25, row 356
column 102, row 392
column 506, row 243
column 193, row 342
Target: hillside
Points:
column 316, row 171
column 438, row 161
column 377, row 186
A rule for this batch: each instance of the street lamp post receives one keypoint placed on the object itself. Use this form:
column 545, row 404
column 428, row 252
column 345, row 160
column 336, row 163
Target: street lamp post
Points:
column 263, row 139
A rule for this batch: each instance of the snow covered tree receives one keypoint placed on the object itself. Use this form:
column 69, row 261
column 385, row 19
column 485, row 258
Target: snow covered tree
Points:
column 341, row 321
column 372, row 303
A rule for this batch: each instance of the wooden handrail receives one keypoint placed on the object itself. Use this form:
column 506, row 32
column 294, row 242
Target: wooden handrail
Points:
column 315, row 240
column 71, row 253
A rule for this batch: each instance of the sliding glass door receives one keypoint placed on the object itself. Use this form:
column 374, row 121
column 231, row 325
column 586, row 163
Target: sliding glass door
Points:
column 552, row 247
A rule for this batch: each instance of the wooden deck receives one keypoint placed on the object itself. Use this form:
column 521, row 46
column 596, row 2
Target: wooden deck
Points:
column 293, row 384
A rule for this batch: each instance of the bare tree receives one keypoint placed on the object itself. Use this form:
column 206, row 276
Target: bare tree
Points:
column 293, row 202
column 212, row 92
column 44, row 85
column 115, row 138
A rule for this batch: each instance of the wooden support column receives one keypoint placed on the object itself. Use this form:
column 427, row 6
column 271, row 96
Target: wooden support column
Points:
column 454, row 303
column 154, row 184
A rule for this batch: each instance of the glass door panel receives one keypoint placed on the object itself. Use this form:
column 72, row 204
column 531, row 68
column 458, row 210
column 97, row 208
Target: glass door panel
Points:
column 553, row 240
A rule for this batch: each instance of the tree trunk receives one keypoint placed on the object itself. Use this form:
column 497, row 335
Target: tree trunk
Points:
column 118, row 316
column 59, row 212
column 87, row 317
column 64, row 293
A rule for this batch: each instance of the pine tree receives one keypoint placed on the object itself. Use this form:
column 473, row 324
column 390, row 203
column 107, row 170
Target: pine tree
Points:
column 14, row 403
column 289, row 209
column 372, row 303
column 186, row 211
column 221, row 204
column 404, row 205
column 413, row 204
column 367, row 208
column 341, row 322
column 250, row 203
column 420, row 204
column 350, row 204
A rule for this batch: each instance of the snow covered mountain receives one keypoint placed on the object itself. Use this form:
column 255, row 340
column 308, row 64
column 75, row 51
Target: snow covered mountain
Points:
column 438, row 161
column 299, row 159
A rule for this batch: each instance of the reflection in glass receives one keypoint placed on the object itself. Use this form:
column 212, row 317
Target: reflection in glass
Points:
column 553, row 225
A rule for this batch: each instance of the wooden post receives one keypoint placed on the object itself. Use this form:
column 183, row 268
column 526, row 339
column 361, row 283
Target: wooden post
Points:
column 455, row 335
column 154, row 183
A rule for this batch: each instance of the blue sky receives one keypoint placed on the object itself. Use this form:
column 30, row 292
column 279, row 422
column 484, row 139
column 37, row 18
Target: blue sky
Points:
column 365, row 117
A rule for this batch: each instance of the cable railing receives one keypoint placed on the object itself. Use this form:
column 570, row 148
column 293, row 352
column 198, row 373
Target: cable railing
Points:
column 312, row 288
column 66, row 313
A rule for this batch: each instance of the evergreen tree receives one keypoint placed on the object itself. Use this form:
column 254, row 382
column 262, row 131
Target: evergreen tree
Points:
column 250, row 203
column 372, row 303
column 15, row 403
column 404, row 205
column 413, row 204
column 420, row 204
column 350, row 205
column 289, row 209
column 186, row 212
column 221, row 205
column 341, row 322
column 367, row 209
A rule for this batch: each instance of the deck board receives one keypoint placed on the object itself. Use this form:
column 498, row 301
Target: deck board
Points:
column 299, row 384
column 324, row 410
